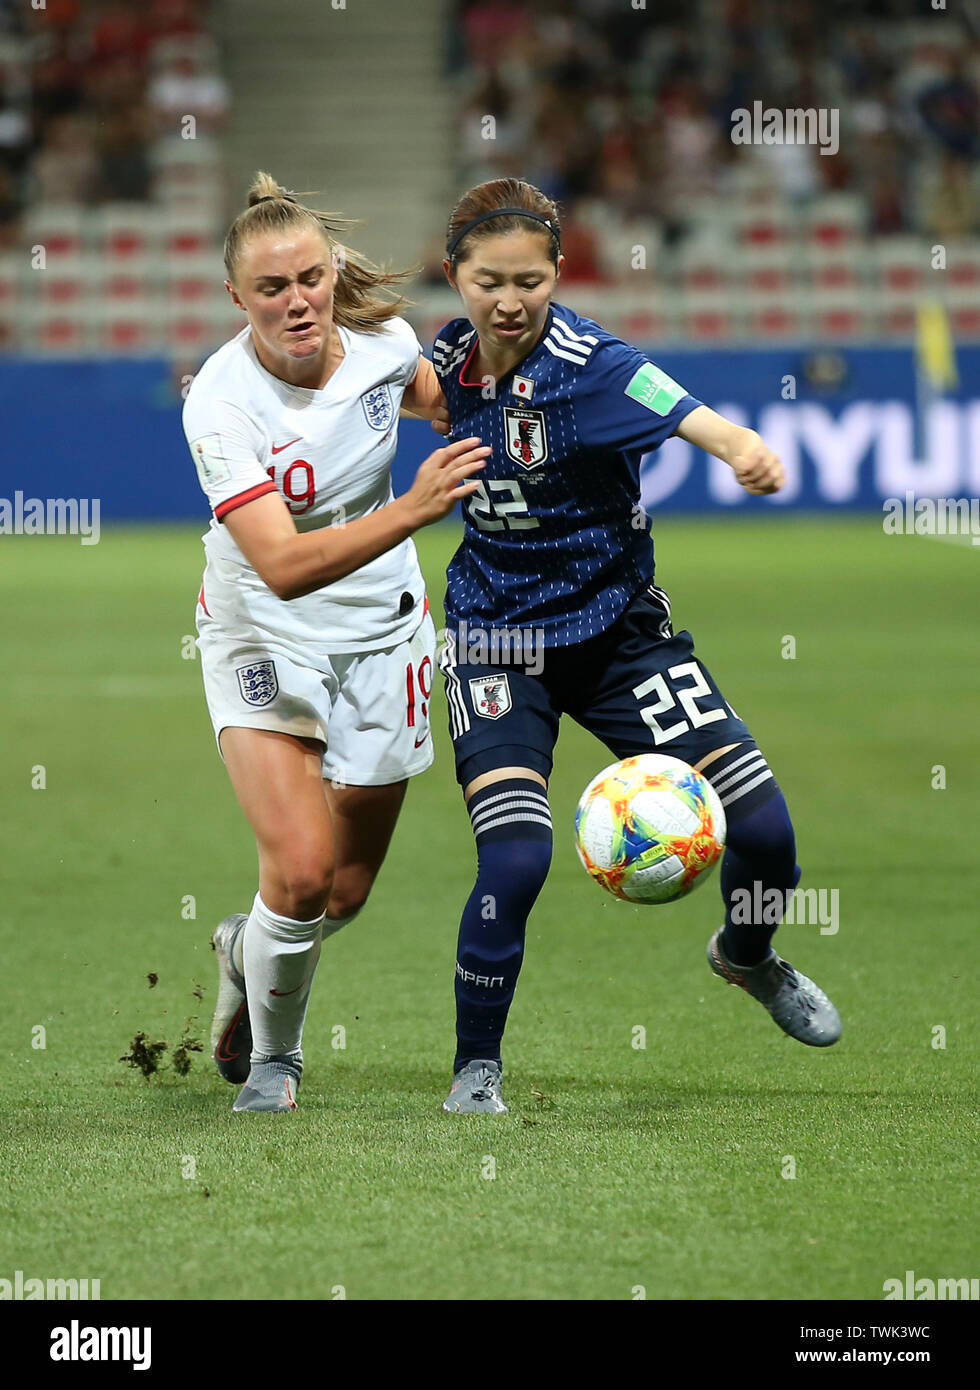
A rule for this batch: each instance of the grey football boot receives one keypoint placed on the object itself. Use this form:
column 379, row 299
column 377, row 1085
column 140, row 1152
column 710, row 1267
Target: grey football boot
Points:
column 231, row 1033
column 272, row 1084
column 798, row 1005
column 476, row 1091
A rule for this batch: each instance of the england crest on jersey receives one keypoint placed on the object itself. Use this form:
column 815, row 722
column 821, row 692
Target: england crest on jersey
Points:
column 490, row 696
column 379, row 410
column 258, row 683
column 527, row 439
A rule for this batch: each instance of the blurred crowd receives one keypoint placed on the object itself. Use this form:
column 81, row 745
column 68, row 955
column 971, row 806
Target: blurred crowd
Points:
column 613, row 108
column 88, row 89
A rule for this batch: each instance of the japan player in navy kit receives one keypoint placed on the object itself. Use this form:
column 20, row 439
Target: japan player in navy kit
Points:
column 316, row 644
column 554, row 570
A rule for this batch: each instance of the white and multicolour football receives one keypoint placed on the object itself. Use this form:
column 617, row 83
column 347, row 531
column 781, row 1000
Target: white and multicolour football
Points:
column 649, row 829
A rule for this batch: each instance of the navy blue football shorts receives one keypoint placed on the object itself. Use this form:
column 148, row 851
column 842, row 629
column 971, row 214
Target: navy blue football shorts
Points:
column 638, row 687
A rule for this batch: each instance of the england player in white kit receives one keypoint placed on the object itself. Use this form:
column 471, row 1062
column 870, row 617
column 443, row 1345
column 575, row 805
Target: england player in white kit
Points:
column 317, row 648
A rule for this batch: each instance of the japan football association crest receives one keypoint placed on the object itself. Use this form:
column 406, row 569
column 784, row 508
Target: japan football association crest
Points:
column 490, row 696
column 527, row 439
column 379, row 410
column 258, row 683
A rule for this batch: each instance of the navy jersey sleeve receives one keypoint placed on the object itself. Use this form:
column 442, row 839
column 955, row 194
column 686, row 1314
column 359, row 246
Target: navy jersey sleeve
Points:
column 626, row 402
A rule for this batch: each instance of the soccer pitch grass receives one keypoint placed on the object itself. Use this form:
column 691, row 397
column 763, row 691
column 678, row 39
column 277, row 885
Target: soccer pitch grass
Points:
column 618, row 1166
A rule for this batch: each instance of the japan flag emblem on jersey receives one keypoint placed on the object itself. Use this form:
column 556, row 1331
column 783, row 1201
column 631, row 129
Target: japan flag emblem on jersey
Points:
column 490, row 696
column 527, row 440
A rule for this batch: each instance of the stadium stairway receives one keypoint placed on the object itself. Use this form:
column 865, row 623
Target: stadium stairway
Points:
column 351, row 101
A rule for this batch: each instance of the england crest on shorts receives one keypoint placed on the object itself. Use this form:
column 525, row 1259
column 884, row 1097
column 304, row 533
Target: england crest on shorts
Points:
column 379, row 410
column 525, row 435
column 258, row 683
column 490, row 696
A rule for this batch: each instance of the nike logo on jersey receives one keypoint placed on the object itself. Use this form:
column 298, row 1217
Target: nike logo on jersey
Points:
column 279, row 450
column 420, row 741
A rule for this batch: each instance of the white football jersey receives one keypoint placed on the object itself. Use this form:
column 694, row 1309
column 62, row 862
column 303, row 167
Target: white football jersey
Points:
column 328, row 453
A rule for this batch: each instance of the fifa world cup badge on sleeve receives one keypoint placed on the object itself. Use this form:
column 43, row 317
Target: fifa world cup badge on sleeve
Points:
column 211, row 464
column 527, row 439
column 654, row 389
column 258, row 683
column 379, row 410
column 491, row 696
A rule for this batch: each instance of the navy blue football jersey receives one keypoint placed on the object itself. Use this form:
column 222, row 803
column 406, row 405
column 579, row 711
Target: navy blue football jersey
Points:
column 554, row 538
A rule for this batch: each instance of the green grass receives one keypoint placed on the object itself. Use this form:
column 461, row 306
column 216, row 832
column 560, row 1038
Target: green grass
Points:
column 617, row 1167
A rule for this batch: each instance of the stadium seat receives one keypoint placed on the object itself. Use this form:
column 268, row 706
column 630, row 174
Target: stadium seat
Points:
column 194, row 277
column 780, row 317
column 841, row 316
column 762, row 224
column 767, row 269
column 11, row 274
column 710, row 316
column 123, row 230
column 900, row 263
column 964, row 313
column 187, row 231
column 896, row 313
column 131, row 328
column 702, row 263
column 835, row 219
column 201, row 328
column 836, row 267
column 60, row 331
column 66, row 278
column 123, row 281
column 60, row 229
column 962, row 264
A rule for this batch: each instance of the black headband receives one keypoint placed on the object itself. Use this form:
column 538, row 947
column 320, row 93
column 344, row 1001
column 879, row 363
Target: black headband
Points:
column 273, row 198
column 503, row 212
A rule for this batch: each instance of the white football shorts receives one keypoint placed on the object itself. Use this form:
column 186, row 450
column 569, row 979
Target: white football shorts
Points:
column 370, row 709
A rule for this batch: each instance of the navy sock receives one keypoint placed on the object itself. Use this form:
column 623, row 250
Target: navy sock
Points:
column 760, row 856
column 512, row 824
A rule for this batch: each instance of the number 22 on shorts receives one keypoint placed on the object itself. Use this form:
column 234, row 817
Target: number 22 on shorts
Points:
column 699, row 687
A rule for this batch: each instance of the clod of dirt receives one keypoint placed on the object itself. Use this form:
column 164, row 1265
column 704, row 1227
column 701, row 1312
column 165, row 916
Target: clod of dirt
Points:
column 181, row 1058
column 144, row 1055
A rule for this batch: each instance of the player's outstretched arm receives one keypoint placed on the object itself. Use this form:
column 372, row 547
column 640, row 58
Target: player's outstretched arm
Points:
column 755, row 466
column 294, row 564
column 424, row 399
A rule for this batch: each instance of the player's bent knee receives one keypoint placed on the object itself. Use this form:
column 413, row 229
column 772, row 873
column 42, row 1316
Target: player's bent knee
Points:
column 304, row 886
column 347, row 899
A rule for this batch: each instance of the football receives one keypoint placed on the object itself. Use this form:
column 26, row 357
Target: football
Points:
column 649, row 829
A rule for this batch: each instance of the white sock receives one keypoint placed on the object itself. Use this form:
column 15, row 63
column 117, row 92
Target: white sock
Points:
column 279, row 956
column 331, row 925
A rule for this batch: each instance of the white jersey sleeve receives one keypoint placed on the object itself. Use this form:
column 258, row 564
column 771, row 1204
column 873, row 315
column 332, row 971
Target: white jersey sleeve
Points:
column 403, row 335
column 226, row 447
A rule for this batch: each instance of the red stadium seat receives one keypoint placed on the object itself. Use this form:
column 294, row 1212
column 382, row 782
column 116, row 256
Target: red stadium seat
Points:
column 61, row 230
column 836, row 219
column 900, row 263
column 65, row 279
column 195, row 278
column 962, row 264
column 125, row 230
